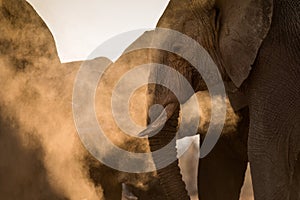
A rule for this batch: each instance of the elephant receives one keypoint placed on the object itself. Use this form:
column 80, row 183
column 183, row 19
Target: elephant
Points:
column 244, row 50
column 255, row 45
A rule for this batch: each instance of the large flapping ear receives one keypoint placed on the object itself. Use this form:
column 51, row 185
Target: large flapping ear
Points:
column 243, row 26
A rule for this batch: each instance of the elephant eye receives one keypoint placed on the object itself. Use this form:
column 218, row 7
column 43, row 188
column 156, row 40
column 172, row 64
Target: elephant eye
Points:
column 216, row 18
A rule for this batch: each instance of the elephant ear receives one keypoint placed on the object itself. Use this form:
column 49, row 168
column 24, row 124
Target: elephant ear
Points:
column 243, row 26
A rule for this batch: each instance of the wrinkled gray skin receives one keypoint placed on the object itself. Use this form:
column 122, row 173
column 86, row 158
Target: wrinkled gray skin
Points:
column 255, row 44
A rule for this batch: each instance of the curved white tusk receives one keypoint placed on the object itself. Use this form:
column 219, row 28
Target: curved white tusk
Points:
column 160, row 121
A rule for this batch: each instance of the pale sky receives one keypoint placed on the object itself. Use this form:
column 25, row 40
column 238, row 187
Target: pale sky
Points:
column 79, row 26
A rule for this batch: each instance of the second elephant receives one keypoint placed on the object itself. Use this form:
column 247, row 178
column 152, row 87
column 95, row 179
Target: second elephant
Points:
column 255, row 45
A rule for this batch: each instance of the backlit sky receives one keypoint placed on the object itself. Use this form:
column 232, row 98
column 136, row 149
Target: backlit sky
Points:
column 79, row 26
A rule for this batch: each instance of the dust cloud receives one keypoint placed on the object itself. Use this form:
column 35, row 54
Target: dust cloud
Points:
column 41, row 155
column 39, row 142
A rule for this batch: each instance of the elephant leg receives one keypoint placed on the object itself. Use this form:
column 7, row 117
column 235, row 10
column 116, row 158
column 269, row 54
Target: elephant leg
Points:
column 273, row 139
column 273, row 91
column 274, row 166
column 221, row 173
column 295, row 194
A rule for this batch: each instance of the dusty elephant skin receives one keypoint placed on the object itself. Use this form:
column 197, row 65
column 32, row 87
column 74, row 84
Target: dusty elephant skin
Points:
column 255, row 45
column 36, row 116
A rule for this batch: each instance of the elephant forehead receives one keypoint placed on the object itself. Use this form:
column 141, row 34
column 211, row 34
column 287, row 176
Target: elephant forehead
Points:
column 191, row 28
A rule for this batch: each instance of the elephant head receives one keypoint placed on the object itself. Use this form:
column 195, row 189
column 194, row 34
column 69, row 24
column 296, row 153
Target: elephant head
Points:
column 231, row 32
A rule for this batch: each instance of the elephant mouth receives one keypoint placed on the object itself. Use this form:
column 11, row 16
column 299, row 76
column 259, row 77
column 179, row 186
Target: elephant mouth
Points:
column 156, row 125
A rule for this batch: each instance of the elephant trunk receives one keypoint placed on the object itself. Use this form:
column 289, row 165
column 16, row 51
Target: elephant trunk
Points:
column 162, row 131
column 169, row 177
column 169, row 91
column 160, row 121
